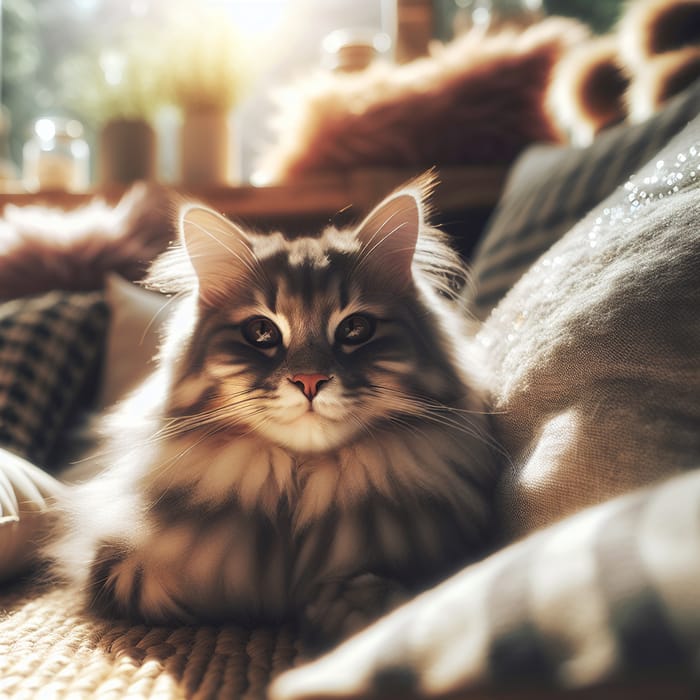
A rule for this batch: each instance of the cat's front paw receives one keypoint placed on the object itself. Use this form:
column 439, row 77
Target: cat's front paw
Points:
column 122, row 585
column 340, row 608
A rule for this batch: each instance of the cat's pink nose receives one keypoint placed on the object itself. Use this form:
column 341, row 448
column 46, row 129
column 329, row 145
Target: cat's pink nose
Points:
column 309, row 384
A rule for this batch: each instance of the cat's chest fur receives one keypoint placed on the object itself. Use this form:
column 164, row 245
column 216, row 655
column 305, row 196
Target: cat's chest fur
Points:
column 257, row 475
column 254, row 527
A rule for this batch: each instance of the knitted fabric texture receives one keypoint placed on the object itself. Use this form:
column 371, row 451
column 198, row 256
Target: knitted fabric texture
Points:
column 50, row 648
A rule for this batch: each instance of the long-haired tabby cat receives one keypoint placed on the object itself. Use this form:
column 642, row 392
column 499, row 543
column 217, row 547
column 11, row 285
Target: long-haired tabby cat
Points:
column 312, row 443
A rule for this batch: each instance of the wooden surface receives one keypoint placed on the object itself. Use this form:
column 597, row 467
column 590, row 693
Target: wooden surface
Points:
column 457, row 189
column 462, row 200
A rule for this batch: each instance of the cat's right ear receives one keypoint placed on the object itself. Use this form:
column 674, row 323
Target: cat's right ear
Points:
column 219, row 250
column 389, row 235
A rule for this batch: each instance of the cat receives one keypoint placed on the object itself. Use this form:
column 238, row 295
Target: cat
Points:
column 313, row 443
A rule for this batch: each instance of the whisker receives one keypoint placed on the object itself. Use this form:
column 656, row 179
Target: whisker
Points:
column 454, row 418
column 166, row 304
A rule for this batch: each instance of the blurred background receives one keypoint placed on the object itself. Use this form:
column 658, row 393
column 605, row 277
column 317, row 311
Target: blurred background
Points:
column 70, row 68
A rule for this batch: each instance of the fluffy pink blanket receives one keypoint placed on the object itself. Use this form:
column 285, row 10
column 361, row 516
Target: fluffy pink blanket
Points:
column 43, row 248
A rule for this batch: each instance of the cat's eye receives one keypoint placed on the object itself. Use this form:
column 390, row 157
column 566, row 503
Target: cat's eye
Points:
column 260, row 332
column 355, row 329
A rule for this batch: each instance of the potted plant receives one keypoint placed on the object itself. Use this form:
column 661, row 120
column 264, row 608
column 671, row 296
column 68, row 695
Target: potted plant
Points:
column 208, row 72
column 119, row 92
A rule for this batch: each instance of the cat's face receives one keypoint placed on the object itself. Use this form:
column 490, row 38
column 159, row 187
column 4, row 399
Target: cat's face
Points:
column 315, row 341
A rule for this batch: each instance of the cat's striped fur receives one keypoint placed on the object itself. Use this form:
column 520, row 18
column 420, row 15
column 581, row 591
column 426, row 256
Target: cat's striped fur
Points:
column 314, row 438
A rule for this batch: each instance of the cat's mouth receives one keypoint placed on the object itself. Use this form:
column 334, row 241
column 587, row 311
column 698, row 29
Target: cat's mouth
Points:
column 310, row 431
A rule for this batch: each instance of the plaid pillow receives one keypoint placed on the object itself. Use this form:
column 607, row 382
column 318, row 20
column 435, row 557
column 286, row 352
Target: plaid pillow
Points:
column 49, row 347
column 552, row 187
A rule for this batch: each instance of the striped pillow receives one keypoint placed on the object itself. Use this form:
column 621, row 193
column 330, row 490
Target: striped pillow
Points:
column 552, row 187
column 607, row 596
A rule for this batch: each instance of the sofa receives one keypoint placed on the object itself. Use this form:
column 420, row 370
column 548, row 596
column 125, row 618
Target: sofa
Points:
column 585, row 292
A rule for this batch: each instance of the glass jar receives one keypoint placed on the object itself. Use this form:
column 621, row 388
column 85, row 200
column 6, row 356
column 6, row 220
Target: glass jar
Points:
column 9, row 174
column 492, row 15
column 56, row 157
column 351, row 50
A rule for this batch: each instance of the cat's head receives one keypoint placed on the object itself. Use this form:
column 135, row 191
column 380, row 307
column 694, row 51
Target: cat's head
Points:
column 314, row 341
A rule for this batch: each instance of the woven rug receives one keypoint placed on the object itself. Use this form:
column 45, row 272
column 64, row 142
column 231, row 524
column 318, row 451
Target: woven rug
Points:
column 50, row 649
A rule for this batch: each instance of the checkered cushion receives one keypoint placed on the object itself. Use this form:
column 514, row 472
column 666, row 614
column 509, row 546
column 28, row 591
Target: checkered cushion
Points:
column 552, row 187
column 49, row 347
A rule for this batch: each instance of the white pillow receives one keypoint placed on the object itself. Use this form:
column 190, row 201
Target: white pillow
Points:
column 136, row 319
column 24, row 494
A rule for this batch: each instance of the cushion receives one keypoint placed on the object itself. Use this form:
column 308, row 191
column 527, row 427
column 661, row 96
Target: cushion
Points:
column 136, row 320
column 24, row 493
column 49, row 350
column 552, row 187
column 477, row 99
column 594, row 352
column 50, row 346
column 44, row 248
column 606, row 596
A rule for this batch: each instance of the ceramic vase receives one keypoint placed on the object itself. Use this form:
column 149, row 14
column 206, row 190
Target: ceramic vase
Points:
column 206, row 148
column 127, row 152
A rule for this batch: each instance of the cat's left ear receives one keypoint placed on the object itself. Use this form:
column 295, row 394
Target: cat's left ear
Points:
column 390, row 232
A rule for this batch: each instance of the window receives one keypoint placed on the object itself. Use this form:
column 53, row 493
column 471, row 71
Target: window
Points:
column 55, row 54
column 60, row 56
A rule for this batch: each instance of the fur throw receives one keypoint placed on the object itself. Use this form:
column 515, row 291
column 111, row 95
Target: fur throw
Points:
column 47, row 248
column 653, row 54
column 478, row 99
